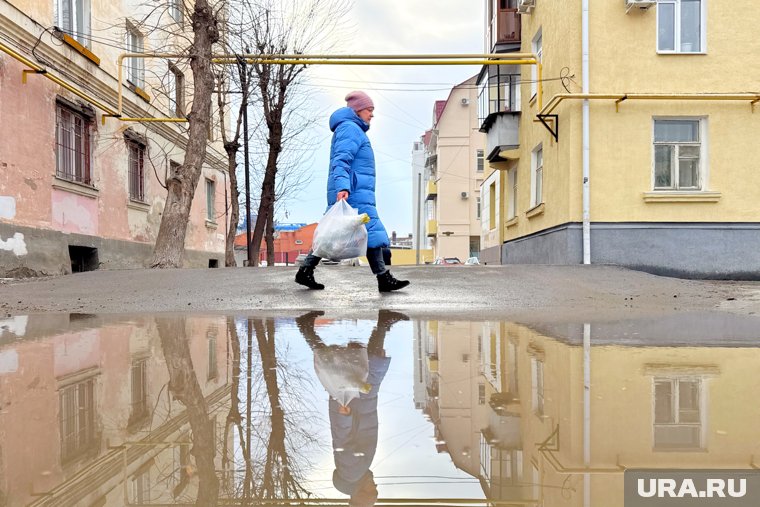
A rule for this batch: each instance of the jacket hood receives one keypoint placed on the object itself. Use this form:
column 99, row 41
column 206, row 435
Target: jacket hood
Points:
column 346, row 114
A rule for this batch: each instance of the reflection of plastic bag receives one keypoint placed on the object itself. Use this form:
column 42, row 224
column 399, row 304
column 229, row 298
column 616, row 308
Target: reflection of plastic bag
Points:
column 341, row 233
column 343, row 371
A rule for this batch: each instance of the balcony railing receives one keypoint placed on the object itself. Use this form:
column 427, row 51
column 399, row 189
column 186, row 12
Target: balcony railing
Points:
column 507, row 29
column 432, row 227
column 432, row 190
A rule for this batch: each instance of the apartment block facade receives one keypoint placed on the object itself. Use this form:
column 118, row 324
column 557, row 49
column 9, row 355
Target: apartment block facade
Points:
column 453, row 175
column 79, row 189
column 648, row 162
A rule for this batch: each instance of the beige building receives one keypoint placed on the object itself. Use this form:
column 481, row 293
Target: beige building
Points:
column 80, row 189
column 454, row 174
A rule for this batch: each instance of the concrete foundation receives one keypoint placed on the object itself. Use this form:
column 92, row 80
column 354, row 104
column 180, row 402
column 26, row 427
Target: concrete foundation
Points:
column 28, row 252
column 717, row 251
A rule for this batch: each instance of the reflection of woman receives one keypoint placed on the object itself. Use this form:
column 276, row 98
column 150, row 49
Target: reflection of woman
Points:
column 353, row 409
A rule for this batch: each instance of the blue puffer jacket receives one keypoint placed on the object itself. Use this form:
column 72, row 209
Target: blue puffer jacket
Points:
column 352, row 168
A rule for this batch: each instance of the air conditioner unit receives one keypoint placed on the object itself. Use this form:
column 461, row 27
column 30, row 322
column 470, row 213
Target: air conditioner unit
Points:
column 465, row 195
column 641, row 4
column 465, row 102
column 526, row 6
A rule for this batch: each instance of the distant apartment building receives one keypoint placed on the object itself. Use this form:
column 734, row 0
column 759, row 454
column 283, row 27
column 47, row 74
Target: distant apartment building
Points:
column 79, row 189
column 636, row 148
column 453, row 175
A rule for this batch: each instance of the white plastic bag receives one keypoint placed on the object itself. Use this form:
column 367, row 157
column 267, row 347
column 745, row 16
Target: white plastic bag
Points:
column 343, row 371
column 340, row 233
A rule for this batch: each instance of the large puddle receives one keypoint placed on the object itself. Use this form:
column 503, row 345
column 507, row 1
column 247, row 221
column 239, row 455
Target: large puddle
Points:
column 312, row 410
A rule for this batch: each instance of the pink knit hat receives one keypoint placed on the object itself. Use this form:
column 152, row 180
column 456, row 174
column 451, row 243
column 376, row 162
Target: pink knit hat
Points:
column 357, row 101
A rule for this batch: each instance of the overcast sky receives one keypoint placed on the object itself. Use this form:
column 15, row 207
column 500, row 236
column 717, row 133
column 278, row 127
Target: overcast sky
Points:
column 403, row 95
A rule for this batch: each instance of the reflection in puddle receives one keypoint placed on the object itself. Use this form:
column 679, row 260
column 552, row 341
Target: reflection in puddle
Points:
column 207, row 410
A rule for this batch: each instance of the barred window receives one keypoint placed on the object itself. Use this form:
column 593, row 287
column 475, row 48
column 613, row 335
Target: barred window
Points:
column 72, row 145
column 136, row 170
column 77, row 419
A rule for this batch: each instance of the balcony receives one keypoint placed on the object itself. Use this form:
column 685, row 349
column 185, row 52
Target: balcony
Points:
column 432, row 190
column 432, row 227
column 504, row 28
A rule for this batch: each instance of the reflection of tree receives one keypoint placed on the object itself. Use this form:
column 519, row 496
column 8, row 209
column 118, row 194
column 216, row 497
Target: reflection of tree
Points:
column 183, row 384
column 279, row 473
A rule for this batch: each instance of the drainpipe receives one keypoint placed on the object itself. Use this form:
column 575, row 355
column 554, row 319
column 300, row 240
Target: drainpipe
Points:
column 586, row 139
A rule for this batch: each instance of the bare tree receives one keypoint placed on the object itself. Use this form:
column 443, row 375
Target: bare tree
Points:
column 284, row 28
column 183, row 180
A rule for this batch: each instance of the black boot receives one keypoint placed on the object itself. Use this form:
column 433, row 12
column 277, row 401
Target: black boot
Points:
column 386, row 282
column 305, row 276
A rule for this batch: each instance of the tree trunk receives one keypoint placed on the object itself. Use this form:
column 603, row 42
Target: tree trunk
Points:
column 270, row 234
column 181, row 184
column 232, row 149
column 266, row 204
column 183, row 384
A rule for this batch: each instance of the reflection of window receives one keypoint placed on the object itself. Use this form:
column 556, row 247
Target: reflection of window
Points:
column 537, row 387
column 512, row 365
column 481, row 394
column 139, row 391
column 77, row 419
column 141, row 487
column 212, row 369
column 680, row 26
column 677, row 149
column 678, row 413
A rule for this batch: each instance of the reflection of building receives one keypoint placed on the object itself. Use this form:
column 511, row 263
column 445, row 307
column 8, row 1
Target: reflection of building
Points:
column 81, row 403
column 648, row 405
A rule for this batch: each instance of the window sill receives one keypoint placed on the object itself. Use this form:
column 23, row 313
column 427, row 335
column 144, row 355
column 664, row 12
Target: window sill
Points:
column 138, row 205
column 681, row 53
column 79, row 48
column 675, row 196
column 211, row 225
column 139, row 92
column 535, row 211
column 511, row 222
column 75, row 188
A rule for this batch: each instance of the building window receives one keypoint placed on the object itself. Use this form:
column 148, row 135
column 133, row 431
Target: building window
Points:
column 175, row 91
column 478, row 207
column 492, row 206
column 677, row 154
column 681, row 26
column 175, row 11
column 537, row 177
column 73, row 18
column 135, row 66
column 538, row 49
column 479, row 160
column 678, row 413
column 139, row 410
column 77, row 419
column 210, row 200
column 72, row 145
column 537, row 386
column 136, row 170
column 512, row 192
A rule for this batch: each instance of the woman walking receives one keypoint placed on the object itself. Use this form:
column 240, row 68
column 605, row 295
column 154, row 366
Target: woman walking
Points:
column 352, row 177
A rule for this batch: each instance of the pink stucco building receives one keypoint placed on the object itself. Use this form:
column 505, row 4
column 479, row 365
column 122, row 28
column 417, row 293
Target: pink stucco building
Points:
column 79, row 191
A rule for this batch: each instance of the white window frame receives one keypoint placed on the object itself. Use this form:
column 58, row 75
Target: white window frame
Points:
column 80, row 13
column 675, row 409
column 210, row 200
column 677, row 28
column 537, row 176
column 480, row 161
column 512, row 193
column 176, row 11
column 703, row 166
column 537, row 46
column 175, row 90
column 478, row 207
column 134, row 42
